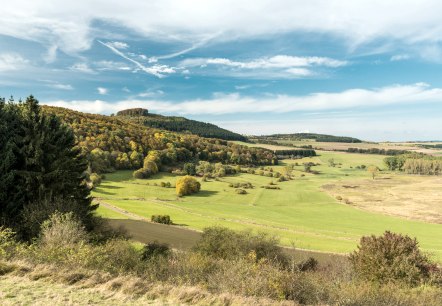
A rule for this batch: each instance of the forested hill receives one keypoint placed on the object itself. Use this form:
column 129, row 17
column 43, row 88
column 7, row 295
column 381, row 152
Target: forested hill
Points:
column 312, row 136
column 178, row 124
column 111, row 143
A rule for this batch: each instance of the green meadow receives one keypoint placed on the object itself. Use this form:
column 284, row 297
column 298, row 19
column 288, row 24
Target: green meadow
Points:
column 301, row 214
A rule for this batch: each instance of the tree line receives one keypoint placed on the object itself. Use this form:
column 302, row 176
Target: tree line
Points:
column 378, row 151
column 415, row 163
column 311, row 136
column 110, row 143
column 295, row 153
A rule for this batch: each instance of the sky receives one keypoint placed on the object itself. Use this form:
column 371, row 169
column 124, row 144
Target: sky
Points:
column 367, row 69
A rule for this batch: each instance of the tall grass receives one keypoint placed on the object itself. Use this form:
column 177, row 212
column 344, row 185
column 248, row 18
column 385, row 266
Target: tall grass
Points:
column 250, row 270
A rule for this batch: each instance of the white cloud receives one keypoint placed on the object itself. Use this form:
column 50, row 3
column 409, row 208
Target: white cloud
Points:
column 102, row 90
column 235, row 103
column 151, row 94
column 82, row 67
column 71, row 26
column 278, row 66
column 278, row 61
column 399, row 57
column 118, row 44
column 61, row 86
column 111, row 66
column 12, row 61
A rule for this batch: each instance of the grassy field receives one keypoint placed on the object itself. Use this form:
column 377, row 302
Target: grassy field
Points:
column 302, row 213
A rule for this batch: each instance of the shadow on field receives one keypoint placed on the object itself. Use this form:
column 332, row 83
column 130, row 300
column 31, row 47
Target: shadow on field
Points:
column 204, row 193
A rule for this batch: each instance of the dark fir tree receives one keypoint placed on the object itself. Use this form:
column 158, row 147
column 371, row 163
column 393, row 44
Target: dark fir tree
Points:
column 43, row 165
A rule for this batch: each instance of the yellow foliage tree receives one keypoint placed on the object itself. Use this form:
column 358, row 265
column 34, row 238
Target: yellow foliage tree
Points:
column 187, row 185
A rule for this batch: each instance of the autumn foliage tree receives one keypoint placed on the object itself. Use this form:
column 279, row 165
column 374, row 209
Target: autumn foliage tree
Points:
column 187, row 185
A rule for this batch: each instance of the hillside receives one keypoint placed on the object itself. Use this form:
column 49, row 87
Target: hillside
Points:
column 311, row 136
column 112, row 143
column 178, row 124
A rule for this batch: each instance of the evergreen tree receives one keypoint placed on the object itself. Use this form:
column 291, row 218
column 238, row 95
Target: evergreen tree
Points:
column 41, row 160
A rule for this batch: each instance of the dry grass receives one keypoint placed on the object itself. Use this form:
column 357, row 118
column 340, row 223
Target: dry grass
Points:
column 408, row 196
column 26, row 284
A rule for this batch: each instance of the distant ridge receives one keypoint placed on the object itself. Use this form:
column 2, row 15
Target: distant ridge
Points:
column 312, row 136
column 178, row 124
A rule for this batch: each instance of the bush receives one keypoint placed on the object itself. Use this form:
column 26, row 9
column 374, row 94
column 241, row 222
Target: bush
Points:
column 189, row 169
column 155, row 249
column 271, row 187
column 163, row 219
column 95, row 179
column 62, row 229
column 187, row 185
column 240, row 191
column 391, row 258
column 36, row 213
column 221, row 242
column 140, row 174
column 310, row 264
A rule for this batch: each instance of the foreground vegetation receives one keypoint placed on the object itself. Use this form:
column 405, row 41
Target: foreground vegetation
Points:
column 250, row 268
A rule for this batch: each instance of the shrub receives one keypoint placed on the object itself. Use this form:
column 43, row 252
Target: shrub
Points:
column 189, row 169
column 140, row 174
column 155, row 249
column 339, row 198
column 36, row 213
column 163, row 219
column 187, row 185
column 163, row 184
column 62, row 229
column 271, row 187
column 240, row 191
column 221, row 242
column 391, row 258
column 310, row 264
column 95, row 179
column 7, row 242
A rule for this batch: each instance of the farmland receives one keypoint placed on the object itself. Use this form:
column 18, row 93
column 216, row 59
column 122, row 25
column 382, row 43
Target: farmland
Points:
column 283, row 144
column 304, row 213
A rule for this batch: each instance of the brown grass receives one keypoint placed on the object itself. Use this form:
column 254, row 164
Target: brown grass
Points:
column 26, row 283
column 409, row 196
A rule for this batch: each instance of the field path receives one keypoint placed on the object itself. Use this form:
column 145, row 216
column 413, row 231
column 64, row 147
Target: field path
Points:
column 120, row 211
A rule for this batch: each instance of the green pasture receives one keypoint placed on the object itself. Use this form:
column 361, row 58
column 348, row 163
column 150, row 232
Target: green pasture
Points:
column 300, row 213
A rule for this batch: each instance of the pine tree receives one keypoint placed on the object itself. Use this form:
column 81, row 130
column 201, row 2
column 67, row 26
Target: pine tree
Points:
column 45, row 167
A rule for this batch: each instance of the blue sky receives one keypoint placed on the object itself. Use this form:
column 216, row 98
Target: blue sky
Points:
column 369, row 69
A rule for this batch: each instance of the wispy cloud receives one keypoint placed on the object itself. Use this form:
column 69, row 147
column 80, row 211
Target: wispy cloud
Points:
column 278, row 61
column 272, row 67
column 235, row 103
column 400, row 57
column 81, row 67
column 118, row 44
column 12, row 61
column 61, row 86
column 70, row 27
column 159, row 71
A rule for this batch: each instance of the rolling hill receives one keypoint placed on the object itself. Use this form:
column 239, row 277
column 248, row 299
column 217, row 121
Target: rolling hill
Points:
column 178, row 124
column 116, row 142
